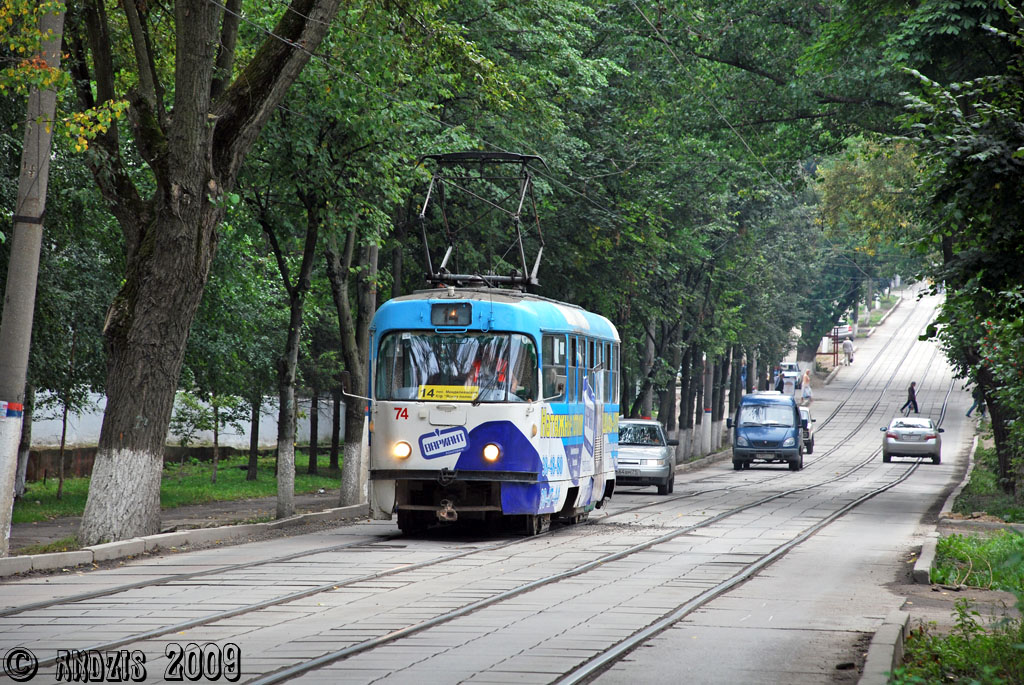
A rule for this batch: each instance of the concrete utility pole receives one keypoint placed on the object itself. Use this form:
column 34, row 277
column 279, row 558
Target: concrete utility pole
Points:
column 20, row 294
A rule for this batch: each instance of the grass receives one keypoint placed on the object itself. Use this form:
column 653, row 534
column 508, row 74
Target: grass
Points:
column 990, row 654
column 68, row 544
column 180, row 486
column 994, row 562
column 873, row 317
column 973, row 653
column 982, row 492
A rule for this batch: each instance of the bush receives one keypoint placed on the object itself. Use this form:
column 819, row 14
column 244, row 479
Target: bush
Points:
column 990, row 562
column 972, row 653
column 982, row 492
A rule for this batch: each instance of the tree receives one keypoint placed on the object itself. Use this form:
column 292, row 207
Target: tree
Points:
column 970, row 135
column 192, row 132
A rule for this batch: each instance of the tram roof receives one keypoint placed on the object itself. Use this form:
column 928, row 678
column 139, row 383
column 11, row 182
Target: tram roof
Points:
column 546, row 313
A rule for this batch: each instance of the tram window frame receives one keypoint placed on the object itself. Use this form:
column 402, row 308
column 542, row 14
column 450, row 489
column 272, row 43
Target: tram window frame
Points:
column 572, row 386
column 553, row 363
column 605, row 371
column 614, row 397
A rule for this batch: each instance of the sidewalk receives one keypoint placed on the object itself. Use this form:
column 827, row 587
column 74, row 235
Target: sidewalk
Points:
column 195, row 516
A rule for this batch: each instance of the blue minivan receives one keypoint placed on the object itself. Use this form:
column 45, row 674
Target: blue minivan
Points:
column 766, row 428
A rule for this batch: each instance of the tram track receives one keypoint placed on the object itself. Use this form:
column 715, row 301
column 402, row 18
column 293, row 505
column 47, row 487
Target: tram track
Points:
column 579, row 569
column 840, row 406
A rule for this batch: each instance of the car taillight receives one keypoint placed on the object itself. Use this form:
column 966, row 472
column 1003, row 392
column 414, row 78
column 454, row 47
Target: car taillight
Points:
column 892, row 436
column 931, row 436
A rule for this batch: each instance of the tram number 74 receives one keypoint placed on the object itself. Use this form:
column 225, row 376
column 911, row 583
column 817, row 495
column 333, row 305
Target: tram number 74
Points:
column 401, row 413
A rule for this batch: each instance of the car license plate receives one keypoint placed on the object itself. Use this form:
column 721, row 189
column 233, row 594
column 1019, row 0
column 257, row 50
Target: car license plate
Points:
column 764, row 455
column 913, row 438
column 629, row 472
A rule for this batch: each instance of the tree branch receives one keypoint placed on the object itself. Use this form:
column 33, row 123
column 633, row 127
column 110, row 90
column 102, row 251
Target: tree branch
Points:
column 250, row 100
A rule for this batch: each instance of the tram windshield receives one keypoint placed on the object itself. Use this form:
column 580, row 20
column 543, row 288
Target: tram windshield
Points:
column 456, row 367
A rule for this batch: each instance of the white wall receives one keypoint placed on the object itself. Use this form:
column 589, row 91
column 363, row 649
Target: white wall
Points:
column 84, row 429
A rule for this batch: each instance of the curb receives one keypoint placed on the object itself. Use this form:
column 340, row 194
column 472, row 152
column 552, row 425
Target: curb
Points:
column 886, row 650
column 704, row 461
column 923, row 565
column 128, row 548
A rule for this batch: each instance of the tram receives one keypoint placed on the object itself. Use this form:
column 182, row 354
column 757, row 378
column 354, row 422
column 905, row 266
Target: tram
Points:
column 488, row 401
column 491, row 403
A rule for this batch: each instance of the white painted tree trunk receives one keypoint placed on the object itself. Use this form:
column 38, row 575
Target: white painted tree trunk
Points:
column 126, row 484
column 285, row 478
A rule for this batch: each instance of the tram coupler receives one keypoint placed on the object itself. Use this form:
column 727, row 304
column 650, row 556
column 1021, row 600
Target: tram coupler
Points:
column 447, row 511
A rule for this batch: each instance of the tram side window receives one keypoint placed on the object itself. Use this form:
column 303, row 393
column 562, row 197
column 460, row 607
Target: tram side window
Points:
column 553, row 359
column 524, row 370
column 614, row 388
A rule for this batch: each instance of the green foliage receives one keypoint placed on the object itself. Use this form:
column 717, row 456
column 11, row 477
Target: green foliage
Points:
column 972, row 654
column 983, row 492
column 21, row 64
column 190, row 418
column 182, row 485
column 990, row 562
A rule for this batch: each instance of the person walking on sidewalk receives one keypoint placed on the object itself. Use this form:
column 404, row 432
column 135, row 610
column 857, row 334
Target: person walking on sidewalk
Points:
column 848, row 351
column 911, row 399
column 806, row 394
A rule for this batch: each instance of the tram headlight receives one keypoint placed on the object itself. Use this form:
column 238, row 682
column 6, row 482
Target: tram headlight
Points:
column 491, row 452
column 401, row 450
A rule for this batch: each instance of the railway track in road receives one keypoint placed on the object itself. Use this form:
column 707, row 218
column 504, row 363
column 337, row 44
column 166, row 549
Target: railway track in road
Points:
column 554, row 571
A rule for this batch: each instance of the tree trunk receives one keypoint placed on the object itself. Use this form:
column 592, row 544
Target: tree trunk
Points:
column 1004, row 451
column 314, row 428
column 355, row 345
column 60, row 451
column 216, row 438
column 25, row 445
column 147, row 327
column 170, row 238
column 288, row 362
column 286, row 435
column 254, row 439
column 646, row 364
column 335, row 428
column 667, row 408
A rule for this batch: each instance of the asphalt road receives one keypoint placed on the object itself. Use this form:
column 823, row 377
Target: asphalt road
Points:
column 763, row 575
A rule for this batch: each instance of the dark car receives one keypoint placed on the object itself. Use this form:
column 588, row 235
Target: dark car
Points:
column 767, row 428
column 645, row 456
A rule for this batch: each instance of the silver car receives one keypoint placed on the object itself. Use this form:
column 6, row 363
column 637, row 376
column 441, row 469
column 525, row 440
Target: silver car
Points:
column 912, row 437
column 808, row 432
column 645, row 456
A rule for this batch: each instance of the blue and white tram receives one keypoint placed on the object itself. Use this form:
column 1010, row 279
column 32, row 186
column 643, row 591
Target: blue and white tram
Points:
column 491, row 403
